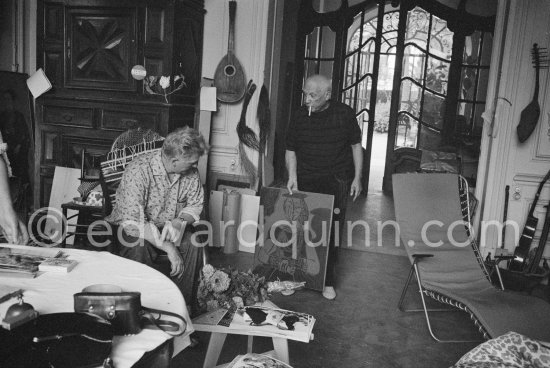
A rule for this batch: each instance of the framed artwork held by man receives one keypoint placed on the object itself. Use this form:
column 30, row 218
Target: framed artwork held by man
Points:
column 294, row 236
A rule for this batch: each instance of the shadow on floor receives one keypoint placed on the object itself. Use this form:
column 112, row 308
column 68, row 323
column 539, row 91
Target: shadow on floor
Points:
column 370, row 225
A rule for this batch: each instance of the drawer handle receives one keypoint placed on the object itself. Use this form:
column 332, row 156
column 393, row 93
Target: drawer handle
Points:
column 67, row 117
column 129, row 123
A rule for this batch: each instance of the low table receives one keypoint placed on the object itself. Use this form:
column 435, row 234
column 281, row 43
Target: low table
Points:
column 239, row 327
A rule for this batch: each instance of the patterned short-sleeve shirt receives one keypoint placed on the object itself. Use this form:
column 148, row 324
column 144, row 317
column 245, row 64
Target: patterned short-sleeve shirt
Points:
column 147, row 195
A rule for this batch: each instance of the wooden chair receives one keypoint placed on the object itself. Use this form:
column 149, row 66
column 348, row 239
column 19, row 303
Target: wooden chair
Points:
column 124, row 149
column 85, row 213
column 129, row 145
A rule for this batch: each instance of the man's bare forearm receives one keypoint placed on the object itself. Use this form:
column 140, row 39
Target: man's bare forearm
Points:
column 290, row 158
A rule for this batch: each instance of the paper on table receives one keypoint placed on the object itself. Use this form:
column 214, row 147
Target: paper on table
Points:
column 302, row 328
column 208, row 99
column 38, row 83
column 33, row 251
column 57, row 265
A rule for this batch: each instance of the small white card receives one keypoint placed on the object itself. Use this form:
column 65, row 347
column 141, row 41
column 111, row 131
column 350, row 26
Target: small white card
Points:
column 208, row 99
column 38, row 83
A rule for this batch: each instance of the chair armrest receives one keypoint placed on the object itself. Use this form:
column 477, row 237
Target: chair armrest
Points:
column 419, row 256
column 500, row 255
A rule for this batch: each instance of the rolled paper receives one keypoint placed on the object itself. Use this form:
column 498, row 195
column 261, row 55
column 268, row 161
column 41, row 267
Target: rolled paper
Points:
column 231, row 211
column 216, row 215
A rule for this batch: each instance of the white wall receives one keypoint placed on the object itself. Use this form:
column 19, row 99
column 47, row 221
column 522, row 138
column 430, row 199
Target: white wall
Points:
column 507, row 161
column 250, row 49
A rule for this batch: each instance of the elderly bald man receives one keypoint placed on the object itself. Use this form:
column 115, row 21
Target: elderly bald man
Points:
column 324, row 155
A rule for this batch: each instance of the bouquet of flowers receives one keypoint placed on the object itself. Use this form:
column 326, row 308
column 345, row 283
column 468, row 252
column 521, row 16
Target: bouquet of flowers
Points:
column 229, row 288
column 160, row 85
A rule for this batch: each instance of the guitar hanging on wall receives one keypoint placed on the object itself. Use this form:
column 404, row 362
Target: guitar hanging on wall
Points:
column 229, row 78
column 524, row 245
column 530, row 114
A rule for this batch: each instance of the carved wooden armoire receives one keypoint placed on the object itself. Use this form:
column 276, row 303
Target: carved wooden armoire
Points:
column 87, row 49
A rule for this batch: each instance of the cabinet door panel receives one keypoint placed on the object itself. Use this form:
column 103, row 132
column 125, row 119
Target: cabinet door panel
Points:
column 50, row 148
column 87, row 49
column 154, row 30
column 124, row 120
column 102, row 49
column 58, row 115
column 53, row 30
column 188, row 32
column 53, row 65
column 154, row 66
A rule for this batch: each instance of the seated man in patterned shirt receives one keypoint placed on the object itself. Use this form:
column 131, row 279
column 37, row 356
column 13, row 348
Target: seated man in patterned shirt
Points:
column 160, row 193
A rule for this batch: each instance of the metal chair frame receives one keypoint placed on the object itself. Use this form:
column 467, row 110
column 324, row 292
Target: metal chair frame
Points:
column 466, row 206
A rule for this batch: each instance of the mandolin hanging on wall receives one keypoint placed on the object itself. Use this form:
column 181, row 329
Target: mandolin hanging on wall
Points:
column 530, row 114
column 229, row 78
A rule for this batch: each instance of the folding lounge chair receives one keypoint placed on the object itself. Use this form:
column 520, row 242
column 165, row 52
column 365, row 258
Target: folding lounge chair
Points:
column 455, row 274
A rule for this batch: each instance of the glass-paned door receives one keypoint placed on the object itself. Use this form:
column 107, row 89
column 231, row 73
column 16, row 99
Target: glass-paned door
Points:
column 423, row 83
column 319, row 52
column 342, row 45
column 417, row 73
column 440, row 83
column 367, row 84
column 474, row 78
